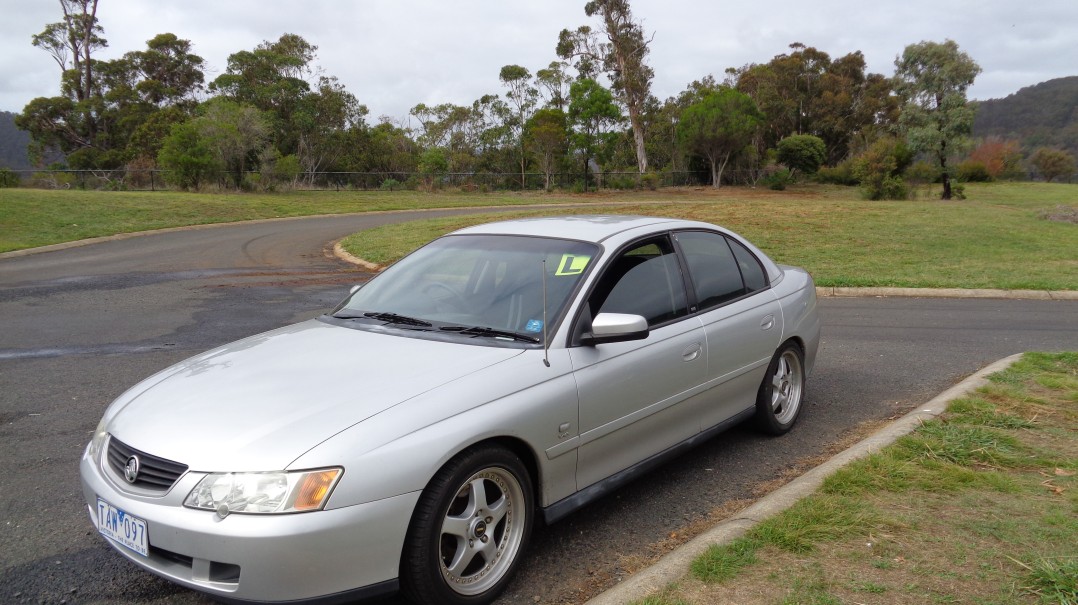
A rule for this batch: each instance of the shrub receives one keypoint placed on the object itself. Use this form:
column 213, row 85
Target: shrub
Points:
column 621, row 181
column 8, row 178
column 649, row 181
column 837, row 175
column 803, row 152
column 1053, row 163
column 778, row 179
column 972, row 171
column 922, row 173
column 1002, row 159
column 52, row 180
column 390, row 184
column 879, row 170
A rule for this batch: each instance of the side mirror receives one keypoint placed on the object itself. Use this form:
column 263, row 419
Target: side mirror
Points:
column 615, row 327
column 354, row 289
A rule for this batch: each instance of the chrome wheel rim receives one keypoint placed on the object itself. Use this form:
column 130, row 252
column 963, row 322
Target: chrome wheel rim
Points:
column 786, row 387
column 482, row 531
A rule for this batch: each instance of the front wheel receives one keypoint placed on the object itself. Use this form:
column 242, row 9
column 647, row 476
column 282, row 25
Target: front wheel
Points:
column 778, row 402
column 469, row 529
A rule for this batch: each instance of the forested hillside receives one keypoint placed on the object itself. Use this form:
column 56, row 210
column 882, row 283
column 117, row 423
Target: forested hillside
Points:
column 1042, row 115
column 13, row 143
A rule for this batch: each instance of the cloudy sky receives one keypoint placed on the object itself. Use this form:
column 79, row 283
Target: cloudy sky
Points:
column 393, row 54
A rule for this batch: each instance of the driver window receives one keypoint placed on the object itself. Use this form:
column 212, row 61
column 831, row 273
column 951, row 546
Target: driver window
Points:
column 644, row 280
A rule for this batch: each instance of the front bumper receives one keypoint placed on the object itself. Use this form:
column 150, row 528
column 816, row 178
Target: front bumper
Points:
column 353, row 550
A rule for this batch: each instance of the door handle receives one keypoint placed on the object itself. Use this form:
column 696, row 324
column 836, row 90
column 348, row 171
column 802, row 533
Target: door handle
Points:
column 692, row 352
column 767, row 323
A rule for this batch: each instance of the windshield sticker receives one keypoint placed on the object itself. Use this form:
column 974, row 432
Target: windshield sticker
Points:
column 534, row 325
column 572, row 264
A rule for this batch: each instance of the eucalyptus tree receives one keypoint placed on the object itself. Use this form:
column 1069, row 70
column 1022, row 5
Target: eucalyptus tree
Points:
column 592, row 116
column 553, row 84
column 547, row 137
column 718, row 127
column 931, row 79
column 523, row 97
column 623, row 56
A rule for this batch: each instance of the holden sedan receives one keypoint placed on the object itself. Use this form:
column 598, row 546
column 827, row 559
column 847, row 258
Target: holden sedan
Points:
column 411, row 439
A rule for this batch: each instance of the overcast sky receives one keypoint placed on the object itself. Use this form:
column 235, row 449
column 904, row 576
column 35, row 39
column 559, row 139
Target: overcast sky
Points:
column 393, row 54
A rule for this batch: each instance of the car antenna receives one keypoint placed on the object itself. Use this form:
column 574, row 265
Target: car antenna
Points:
column 546, row 341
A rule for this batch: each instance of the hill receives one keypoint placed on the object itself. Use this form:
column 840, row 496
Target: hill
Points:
column 1044, row 114
column 13, row 143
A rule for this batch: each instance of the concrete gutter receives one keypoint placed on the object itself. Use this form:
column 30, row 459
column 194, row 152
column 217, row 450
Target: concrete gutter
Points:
column 675, row 565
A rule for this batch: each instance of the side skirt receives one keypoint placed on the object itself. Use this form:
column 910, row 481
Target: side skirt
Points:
column 562, row 508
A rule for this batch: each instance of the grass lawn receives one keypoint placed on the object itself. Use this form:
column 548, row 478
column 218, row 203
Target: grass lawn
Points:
column 36, row 217
column 995, row 239
column 977, row 506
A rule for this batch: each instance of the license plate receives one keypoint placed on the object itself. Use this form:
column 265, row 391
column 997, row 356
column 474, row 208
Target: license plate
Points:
column 122, row 527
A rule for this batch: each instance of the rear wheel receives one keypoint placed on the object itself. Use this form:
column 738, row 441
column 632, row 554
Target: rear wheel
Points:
column 778, row 402
column 469, row 529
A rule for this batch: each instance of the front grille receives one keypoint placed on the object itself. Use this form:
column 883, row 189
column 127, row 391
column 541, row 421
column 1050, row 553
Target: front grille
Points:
column 154, row 473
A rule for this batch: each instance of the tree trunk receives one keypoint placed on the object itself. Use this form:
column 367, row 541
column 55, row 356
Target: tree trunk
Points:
column 638, row 138
column 943, row 169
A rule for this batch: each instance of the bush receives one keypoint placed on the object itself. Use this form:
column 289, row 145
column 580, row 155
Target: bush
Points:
column 922, row 173
column 894, row 188
column 837, row 175
column 8, row 178
column 390, row 185
column 621, row 181
column 778, row 179
column 879, row 170
column 1053, row 163
column 52, row 180
column 972, row 171
column 649, row 181
column 803, row 152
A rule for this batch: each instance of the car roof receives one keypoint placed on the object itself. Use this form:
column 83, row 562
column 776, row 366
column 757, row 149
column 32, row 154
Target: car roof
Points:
column 589, row 228
column 600, row 227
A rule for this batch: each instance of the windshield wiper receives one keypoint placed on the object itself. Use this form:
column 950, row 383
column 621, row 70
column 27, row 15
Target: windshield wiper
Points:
column 489, row 332
column 391, row 318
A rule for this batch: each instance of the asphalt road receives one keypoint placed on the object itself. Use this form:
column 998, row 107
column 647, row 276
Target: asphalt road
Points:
column 79, row 326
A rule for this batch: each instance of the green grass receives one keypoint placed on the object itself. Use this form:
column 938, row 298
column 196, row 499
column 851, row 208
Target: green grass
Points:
column 35, row 217
column 995, row 239
column 978, row 506
column 845, row 241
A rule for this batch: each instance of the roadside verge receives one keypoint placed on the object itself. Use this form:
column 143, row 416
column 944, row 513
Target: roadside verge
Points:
column 675, row 565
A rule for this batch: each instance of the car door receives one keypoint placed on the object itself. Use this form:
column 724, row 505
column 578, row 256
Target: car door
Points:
column 741, row 319
column 634, row 395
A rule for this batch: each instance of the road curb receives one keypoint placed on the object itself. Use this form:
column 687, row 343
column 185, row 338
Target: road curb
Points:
column 838, row 292
column 675, row 565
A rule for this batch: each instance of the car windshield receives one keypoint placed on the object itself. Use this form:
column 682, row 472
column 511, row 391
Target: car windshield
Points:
column 490, row 283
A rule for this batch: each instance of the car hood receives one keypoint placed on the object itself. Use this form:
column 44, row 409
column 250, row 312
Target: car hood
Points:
column 260, row 403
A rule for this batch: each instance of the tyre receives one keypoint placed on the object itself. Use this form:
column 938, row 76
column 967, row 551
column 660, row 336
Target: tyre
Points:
column 469, row 529
column 778, row 402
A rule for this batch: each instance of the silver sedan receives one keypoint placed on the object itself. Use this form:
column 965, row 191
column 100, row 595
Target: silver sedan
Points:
column 409, row 440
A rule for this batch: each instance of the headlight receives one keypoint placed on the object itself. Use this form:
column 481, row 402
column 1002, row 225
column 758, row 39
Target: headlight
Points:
column 98, row 440
column 264, row 493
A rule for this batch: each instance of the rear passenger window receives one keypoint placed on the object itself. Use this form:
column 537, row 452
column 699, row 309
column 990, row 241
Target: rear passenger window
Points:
column 721, row 269
column 751, row 270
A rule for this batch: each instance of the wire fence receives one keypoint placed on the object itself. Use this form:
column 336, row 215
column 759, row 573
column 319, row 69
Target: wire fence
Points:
column 159, row 180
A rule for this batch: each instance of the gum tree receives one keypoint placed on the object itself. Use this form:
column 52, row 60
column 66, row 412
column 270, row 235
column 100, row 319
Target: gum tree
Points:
column 718, row 127
column 623, row 57
column 931, row 79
